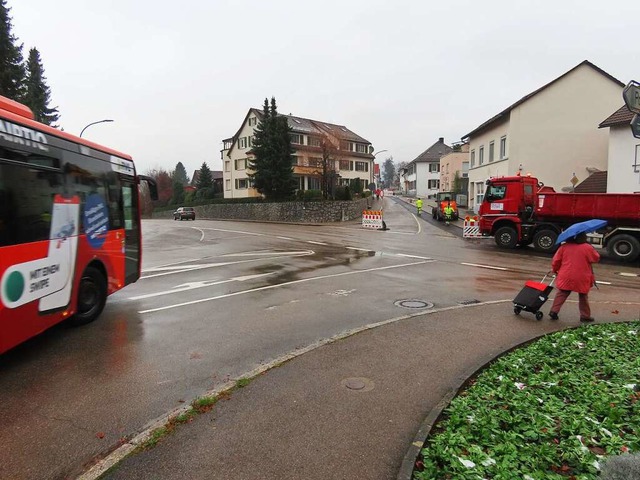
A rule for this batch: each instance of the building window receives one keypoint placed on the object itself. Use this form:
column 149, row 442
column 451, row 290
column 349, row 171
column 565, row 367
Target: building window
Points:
column 361, row 148
column 503, row 147
column 344, row 164
column 433, row 184
column 227, row 184
column 295, row 160
column 314, row 183
column 481, row 155
column 250, row 141
column 362, row 167
column 297, row 139
column 348, row 146
column 242, row 184
column 479, row 193
column 227, row 166
column 473, row 158
column 434, row 167
column 241, row 164
column 315, row 162
column 314, row 141
column 491, row 150
column 253, row 121
column 242, row 142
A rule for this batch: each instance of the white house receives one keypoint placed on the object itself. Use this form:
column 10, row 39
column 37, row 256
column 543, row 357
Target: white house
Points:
column 551, row 133
column 623, row 171
column 423, row 173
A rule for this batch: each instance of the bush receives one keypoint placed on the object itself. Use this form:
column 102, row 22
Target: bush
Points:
column 312, row 195
column 343, row 193
column 205, row 193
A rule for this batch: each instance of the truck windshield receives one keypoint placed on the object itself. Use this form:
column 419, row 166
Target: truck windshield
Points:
column 495, row 192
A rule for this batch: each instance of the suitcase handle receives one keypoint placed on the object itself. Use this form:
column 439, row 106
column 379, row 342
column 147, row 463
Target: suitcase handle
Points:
column 549, row 274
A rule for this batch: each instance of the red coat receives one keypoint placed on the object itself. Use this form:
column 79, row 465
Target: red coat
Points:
column 572, row 262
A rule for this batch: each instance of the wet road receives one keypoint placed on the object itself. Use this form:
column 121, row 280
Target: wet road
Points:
column 218, row 299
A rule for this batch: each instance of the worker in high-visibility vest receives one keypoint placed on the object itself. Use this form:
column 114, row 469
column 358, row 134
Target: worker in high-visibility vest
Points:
column 419, row 205
column 448, row 213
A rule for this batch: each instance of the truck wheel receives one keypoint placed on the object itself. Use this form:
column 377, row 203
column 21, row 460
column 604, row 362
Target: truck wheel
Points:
column 545, row 241
column 92, row 295
column 624, row 248
column 506, row 237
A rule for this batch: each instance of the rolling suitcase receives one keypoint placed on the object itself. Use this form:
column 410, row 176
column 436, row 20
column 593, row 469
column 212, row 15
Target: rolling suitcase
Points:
column 533, row 296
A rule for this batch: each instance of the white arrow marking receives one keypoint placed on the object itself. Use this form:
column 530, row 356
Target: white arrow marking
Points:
column 193, row 285
column 483, row 266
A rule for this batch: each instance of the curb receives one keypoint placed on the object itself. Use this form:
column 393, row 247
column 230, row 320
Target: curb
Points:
column 101, row 466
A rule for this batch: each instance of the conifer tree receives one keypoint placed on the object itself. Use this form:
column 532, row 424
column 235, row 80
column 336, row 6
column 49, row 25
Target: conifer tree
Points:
column 38, row 93
column 180, row 174
column 205, row 177
column 272, row 170
column 12, row 72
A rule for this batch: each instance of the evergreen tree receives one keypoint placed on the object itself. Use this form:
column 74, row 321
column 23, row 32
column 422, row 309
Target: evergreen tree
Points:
column 272, row 170
column 178, row 192
column 38, row 93
column 12, row 73
column 180, row 174
column 388, row 172
column 205, row 177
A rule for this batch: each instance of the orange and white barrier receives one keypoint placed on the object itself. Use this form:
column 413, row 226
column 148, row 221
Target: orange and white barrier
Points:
column 471, row 227
column 372, row 219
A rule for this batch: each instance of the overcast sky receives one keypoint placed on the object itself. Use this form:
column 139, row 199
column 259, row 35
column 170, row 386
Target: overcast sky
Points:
column 178, row 77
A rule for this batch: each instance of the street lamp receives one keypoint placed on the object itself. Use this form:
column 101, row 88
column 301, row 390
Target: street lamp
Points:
column 93, row 123
column 378, row 153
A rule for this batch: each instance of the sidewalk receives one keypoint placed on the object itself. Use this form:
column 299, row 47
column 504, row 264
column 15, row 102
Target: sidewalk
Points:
column 348, row 409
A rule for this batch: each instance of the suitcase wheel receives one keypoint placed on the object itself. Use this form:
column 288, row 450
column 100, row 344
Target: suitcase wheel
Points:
column 539, row 315
column 517, row 310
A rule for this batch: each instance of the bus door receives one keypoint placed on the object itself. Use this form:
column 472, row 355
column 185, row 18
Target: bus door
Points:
column 132, row 257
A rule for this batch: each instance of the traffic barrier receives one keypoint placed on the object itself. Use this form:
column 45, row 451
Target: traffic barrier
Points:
column 372, row 219
column 470, row 227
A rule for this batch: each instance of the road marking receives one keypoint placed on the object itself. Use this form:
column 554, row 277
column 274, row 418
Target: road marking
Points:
column 418, row 222
column 193, row 285
column 359, row 249
column 173, row 263
column 483, row 266
column 201, row 233
column 297, row 253
column 285, row 238
column 317, row 243
column 626, row 274
column 269, row 287
column 413, row 256
column 603, row 283
column 231, row 231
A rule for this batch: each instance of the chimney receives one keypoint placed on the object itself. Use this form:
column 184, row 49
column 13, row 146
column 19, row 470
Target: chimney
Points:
column 441, row 140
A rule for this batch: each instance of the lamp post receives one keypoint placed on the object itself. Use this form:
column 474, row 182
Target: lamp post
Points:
column 93, row 123
column 374, row 160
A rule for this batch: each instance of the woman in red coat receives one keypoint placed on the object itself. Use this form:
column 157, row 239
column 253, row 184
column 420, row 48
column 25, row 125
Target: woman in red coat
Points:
column 572, row 264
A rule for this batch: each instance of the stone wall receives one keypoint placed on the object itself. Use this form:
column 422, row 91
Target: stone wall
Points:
column 293, row 212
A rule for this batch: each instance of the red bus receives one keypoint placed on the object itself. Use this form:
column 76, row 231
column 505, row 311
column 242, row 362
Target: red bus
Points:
column 69, row 226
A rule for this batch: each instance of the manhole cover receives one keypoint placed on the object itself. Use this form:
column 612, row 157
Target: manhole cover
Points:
column 412, row 303
column 357, row 384
column 469, row 302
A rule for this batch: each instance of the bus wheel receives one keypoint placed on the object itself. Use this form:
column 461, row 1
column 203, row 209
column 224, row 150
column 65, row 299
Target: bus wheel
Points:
column 545, row 241
column 624, row 248
column 92, row 295
column 506, row 237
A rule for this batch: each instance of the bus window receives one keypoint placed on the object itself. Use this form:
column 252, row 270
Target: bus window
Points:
column 26, row 202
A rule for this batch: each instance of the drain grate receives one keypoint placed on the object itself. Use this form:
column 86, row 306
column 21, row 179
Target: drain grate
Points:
column 413, row 303
column 469, row 302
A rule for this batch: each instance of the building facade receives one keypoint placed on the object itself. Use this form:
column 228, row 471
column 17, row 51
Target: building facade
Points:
column 456, row 162
column 422, row 174
column 551, row 133
column 623, row 175
column 350, row 158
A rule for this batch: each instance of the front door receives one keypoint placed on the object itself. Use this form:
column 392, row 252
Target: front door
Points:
column 131, row 231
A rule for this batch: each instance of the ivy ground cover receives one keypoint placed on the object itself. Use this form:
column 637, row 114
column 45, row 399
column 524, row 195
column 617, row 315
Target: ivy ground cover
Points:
column 553, row 409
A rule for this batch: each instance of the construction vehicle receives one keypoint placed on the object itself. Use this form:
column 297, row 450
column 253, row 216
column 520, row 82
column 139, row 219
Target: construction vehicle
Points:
column 520, row 210
column 442, row 199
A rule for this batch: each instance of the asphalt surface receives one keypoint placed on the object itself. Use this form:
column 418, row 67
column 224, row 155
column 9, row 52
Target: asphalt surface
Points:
column 355, row 407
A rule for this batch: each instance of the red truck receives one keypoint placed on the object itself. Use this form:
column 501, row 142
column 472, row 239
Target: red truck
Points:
column 522, row 211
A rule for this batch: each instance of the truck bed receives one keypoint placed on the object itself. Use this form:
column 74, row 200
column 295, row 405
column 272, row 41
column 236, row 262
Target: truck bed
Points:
column 616, row 208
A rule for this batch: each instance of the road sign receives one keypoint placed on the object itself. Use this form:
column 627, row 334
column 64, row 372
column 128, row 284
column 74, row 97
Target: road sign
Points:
column 635, row 125
column 631, row 95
